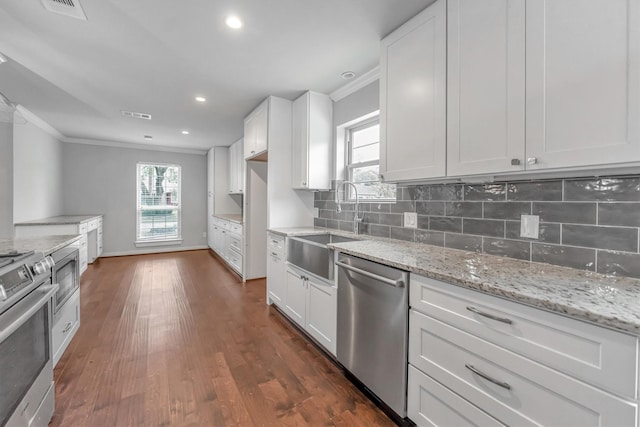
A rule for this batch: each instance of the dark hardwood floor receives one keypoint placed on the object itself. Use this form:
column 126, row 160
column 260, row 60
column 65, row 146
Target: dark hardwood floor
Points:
column 177, row 340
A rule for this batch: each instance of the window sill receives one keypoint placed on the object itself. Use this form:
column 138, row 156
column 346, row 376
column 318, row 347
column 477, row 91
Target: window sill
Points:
column 148, row 243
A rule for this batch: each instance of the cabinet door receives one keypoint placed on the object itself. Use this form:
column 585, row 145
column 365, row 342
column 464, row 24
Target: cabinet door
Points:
column 300, row 148
column 261, row 124
column 322, row 313
column 249, row 136
column 232, row 173
column 275, row 280
column 295, row 299
column 413, row 98
column 486, row 86
column 583, row 82
column 240, row 166
column 210, row 187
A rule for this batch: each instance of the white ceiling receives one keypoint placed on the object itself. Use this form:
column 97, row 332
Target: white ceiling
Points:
column 155, row 56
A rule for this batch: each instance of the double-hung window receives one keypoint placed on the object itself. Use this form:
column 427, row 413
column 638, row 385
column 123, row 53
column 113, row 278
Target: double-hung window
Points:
column 363, row 162
column 158, row 203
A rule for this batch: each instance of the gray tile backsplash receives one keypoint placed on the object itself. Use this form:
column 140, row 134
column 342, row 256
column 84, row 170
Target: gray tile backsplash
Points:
column 589, row 223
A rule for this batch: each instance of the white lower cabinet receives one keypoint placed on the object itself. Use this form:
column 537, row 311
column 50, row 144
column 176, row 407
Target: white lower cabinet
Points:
column 432, row 404
column 311, row 303
column 65, row 324
column 475, row 359
column 227, row 243
column 276, row 285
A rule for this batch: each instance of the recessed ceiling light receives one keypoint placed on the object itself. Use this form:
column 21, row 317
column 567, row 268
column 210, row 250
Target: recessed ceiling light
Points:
column 185, row 132
column 348, row 75
column 233, row 21
column 148, row 137
column 201, row 99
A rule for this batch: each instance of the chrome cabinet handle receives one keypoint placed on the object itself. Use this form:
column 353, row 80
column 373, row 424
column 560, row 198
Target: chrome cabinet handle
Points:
column 515, row 162
column 489, row 316
column 67, row 327
column 487, row 377
column 532, row 160
column 399, row 283
column 274, row 254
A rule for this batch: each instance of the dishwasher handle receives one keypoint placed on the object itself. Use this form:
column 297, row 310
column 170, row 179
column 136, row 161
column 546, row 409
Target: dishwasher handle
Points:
column 398, row 283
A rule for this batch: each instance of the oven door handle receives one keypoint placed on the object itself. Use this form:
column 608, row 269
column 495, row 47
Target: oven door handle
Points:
column 18, row 315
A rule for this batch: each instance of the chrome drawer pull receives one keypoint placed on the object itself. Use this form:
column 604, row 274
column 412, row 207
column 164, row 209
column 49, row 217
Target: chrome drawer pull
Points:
column 398, row 283
column 66, row 329
column 487, row 377
column 490, row 316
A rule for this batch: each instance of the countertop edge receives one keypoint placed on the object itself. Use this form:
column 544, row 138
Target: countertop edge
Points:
column 60, row 220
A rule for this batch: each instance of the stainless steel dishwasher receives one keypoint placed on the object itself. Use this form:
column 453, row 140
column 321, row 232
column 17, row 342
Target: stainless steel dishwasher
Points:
column 373, row 322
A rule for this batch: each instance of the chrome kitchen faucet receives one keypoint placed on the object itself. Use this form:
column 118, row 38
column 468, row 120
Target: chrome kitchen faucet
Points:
column 357, row 218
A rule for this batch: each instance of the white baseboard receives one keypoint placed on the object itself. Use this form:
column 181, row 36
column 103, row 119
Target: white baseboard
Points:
column 152, row 250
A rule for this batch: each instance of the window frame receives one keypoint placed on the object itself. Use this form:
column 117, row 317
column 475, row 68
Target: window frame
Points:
column 358, row 125
column 163, row 240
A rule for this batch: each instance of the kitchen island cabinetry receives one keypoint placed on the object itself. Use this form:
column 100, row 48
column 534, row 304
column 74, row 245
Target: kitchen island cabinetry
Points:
column 311, row 302
column 413, row 98
column 312, row 142
column 89, row 227
column 508, row 361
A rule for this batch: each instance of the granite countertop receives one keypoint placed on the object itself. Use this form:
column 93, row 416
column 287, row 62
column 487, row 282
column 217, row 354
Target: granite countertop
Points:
column 45, row 244
column 611, row 301
column 62, row 219
column 237, row 218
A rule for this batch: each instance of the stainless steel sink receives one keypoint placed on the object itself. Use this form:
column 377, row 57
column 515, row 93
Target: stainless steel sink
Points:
column 311, row 253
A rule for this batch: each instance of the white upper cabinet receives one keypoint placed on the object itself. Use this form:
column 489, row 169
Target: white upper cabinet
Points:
column 583, row 82
column 236, row 167
column 256, row 131
column 486, row 86
column 312, row 142
column 413, row 98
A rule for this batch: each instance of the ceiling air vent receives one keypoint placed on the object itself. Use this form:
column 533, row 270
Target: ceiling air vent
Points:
column 70, row 8
column 135, row 115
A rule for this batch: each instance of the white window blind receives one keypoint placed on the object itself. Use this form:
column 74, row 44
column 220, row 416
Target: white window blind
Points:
column 158, row 202
column 363, row 162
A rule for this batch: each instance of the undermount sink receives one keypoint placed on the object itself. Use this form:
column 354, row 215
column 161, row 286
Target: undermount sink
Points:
column 311, row 253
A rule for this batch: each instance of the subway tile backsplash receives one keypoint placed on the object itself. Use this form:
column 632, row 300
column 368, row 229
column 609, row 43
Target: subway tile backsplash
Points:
column 586, row 223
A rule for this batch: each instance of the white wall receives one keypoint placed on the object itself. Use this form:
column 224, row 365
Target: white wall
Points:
column 357, row 104
column 102, row 180
column 6, row 180
column 37, row 173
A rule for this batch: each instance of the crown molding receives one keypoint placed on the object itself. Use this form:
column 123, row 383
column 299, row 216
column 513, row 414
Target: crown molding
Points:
column 133, row 146
column 357, row 84
column 38, row 122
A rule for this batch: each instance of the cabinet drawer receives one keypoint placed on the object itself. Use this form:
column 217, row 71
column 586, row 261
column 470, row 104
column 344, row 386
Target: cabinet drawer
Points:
column 235, row 261
column 235, row 242
column 431, row 404
column 235, row 228
column 588, row 352
column 92, row 225
column 530, row 394
column 65, row 323
column 275, row 245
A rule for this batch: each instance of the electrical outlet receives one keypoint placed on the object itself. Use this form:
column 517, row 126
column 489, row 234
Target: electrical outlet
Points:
column 316, row 212
column 410, row 220
column 529, row 226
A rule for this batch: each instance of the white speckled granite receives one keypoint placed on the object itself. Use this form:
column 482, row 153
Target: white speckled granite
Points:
column 606, row 300
column 44, row 244
column 62, row 219
column 237, row 218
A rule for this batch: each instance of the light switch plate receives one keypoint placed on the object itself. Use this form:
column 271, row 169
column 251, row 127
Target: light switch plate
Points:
column 529, row 226
column 410, row 220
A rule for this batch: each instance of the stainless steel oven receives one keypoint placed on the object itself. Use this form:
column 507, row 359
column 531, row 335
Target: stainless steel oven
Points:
column 26, row 369
column 66, row 273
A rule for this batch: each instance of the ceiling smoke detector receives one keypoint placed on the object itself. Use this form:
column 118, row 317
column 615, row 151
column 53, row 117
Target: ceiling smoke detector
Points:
column 135, row 115
column 70, row 8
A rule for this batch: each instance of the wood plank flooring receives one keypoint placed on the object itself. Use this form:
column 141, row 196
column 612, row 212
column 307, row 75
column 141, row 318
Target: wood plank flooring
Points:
column 177, row 340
